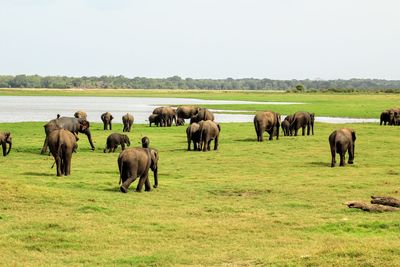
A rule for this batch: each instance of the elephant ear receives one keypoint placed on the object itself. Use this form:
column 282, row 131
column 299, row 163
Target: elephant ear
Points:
column 84, row 124
column 154, row 159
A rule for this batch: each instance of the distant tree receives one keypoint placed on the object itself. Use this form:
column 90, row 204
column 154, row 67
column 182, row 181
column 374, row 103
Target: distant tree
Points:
column 300, row 88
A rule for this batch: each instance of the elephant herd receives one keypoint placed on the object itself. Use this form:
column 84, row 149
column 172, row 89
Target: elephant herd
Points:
column 62, row 136
column 390, row 116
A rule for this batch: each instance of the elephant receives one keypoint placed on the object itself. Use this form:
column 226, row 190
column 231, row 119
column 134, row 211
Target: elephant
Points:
column 385, row 117
column 209, row 130
column 285, row 124
column 301, row 119
column 71, row 124
column 340, row 141
column 145, row 142
column 394, row 114
column 5, row 138
column 136, row 162
column 167, row 115
column 127, row 120
column 202, row 115
column 114, row 140
column 180, row 122
column 156, row 119
column 62, row 144
column 80, row 114
column 106, row 119
column 193, row 134
column 268, row 121
column 186, row 112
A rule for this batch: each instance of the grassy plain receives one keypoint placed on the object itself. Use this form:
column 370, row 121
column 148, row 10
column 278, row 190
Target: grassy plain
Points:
column 249, row 203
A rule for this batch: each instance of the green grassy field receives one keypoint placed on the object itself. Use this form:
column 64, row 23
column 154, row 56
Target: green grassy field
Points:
column 249, row 203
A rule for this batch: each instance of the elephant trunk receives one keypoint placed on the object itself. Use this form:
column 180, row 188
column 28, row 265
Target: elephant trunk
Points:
column 89, row 136
column 9, row 148
column 3, row 145
column 155, row 173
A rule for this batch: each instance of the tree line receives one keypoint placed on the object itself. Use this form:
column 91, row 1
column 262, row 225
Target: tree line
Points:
column 176, row 82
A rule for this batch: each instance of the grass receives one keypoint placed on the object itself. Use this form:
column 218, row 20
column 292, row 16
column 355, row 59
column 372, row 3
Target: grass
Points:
column 247, row 204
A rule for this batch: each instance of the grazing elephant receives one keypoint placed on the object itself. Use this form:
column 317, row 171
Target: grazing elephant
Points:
column 340, row 141
column 186, row 112
column 127, row 120
column 5, row 138
column 80, row 114
column 71, row 124
column 193, row 134
column 285, row 124
column 62, row 144
column 114, row 140
column 394, row 114
column 385, row 117
column 167, row 115
column 145, row 142
column 302, row 119
column 209, row 131
column 180, row 122
column 136, row 162
column 156, row 119
column 202, row 115
column 267, row 121
column 106, row 118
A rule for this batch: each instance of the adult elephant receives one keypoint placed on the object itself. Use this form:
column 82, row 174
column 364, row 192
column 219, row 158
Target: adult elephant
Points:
column 209, row 130
column 62, row 144
column 106, row 118
column 80, row 114
column 303, row 119
column 5, row 138
column 202, row 115
column 186, row 112
column 394, row 115
column 127, row 120
column 167, row 115
column 193, row 134
column 267, row 121
column 71, row 124
column 341, row 141
column 136, row 162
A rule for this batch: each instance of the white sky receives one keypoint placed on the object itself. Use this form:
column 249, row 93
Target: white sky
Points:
column 277, row 39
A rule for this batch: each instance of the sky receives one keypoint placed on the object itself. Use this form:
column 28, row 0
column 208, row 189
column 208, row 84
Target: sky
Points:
column 285, row 39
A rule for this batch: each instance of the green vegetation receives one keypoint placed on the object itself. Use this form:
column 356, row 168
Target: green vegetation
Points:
column 176, row 82
column 276, row 202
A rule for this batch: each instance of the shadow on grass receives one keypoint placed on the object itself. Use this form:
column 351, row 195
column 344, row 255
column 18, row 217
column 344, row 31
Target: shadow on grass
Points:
column 254, row 140
column 320, row 164
column 38, row 174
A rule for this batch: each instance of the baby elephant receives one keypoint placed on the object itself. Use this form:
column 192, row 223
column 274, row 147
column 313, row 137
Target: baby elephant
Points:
column 116, row 139
column 145, row 142
column 341, row 141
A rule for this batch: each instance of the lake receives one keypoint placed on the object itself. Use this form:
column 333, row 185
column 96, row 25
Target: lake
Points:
column 45, row 108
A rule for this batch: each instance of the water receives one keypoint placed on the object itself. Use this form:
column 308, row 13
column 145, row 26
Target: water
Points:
column 45, row 108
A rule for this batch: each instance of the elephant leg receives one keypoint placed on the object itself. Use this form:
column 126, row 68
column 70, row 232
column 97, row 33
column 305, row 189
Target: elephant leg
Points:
column 67, row 163
column 45, row 144
column 333, row 154
column 216, row 143
column 123, row 146
column 342, row 154
column 142, row 180
column 277, row 132
column 271, row 134
column 296, row 131
column 104, row 126
column 189, row 141
column 308, row 129
column 147, row 185
column 59, row 165
column 351, row 154
column 125, row 185
column 209, row 145
column 194, row 145
column 303, row 130
column 204, row 145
